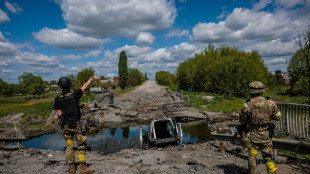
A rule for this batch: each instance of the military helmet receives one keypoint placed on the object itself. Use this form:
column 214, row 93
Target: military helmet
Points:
column 64, row 81
column 256, row 87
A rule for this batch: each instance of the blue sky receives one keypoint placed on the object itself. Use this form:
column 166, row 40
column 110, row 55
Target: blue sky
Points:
column 55, row 38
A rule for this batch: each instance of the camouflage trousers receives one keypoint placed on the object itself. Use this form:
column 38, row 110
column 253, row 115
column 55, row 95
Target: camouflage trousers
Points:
column 255, row 140
column 80, row 139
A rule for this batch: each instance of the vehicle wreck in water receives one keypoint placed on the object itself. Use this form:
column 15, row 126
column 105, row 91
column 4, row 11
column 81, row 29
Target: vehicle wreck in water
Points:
column 161, row 132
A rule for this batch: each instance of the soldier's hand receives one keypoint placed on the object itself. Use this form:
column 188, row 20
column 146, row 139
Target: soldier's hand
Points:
column 93, row 78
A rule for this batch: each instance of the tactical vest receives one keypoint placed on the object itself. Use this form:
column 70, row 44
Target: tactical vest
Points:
column 69, row 110
column 259, row 112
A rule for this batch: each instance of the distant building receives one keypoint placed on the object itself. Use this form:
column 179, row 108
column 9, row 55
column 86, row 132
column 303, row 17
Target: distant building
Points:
column 116, row 79
column 107, row 80
column 284, row 78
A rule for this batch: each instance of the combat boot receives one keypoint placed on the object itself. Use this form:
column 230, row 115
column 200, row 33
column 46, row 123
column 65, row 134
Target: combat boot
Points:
column 84, row 169
column 72, row 169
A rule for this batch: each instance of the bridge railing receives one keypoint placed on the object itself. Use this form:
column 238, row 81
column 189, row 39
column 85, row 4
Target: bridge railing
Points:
column 294, row 121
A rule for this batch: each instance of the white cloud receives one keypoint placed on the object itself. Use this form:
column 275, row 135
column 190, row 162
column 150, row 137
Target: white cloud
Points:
column 248, row 25
column 261, row 4
column 71, row 57
column 66, row 39
column 2, row 39
column 178, row 33
column 7, row 53
column 37, row 59
column 145, row 38
column 274, row 48
column 13, row 8
column 289, row 3
column 146, row 59
column 3, row 17
column 94, row 53
column 103, row 19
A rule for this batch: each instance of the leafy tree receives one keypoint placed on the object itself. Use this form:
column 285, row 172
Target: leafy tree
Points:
column 122, row 70
column 135, row 77
column 304, row 46
column 74, row 83
column 224, row 70
column 164, row 78
column 299, row 74
column 82, row 77
column 3, row 87
column 32, row 84
column 278, row 72
column 145, row 77
column 53, row 82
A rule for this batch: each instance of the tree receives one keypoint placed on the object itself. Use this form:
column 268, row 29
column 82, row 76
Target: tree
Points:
column 135, row 77
column 224, row 70
column 31, row 84
column 3, row 87
column 83, row 76
column 164, row 78
column 145, row 77
column 53, row 82
column 304, row 46
column 278, row 72
column 122, row 70
column 299, row 74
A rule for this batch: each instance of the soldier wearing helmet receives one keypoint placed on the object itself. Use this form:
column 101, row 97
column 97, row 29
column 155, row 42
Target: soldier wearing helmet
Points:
column 256, row 114
column 67, row 108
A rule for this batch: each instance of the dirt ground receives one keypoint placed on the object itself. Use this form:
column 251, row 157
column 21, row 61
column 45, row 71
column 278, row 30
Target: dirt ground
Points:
column 193, row 158
column 147, row 102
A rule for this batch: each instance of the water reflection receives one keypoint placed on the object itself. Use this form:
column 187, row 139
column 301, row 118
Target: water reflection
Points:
column 113, row 140
column 196, row 134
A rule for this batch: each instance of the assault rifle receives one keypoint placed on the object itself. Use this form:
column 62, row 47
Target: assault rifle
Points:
column 242, row 128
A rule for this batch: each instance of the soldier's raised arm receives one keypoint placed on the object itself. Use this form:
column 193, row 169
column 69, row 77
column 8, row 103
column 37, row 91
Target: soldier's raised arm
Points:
column 83, row 88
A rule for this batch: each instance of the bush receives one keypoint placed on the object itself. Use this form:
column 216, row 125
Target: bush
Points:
column 164, row 78
column 225, row 70
column 135, row 77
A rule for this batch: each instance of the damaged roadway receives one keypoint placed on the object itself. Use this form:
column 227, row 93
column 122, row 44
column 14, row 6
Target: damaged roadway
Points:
column 147, row 102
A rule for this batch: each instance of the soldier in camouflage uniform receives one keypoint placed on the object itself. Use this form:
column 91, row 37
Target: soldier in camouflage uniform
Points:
column 67, row 108
column 257, row 114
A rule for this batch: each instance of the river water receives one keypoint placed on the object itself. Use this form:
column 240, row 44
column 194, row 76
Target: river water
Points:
column 114, row 140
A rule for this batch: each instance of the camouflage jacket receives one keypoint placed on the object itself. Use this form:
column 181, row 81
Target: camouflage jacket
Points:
column 258, row 108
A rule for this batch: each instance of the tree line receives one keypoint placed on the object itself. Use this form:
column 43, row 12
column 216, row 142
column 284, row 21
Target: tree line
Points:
column 34, row 85
column 225, row 70
column 228, row 71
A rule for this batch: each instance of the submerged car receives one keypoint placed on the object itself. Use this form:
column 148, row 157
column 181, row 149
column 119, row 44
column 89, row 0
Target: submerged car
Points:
column 162, row 132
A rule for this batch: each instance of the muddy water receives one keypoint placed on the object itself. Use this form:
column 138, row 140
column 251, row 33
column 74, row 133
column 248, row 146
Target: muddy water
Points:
column 113, row 140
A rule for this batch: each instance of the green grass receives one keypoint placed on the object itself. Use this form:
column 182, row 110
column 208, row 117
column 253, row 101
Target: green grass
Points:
column 36, row 108
column 279, row 95
column 294, row 154
column 87, row 98
column 225, row 104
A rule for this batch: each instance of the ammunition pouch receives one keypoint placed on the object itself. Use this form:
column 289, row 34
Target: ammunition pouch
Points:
column 260, row 114
column 71, row 121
